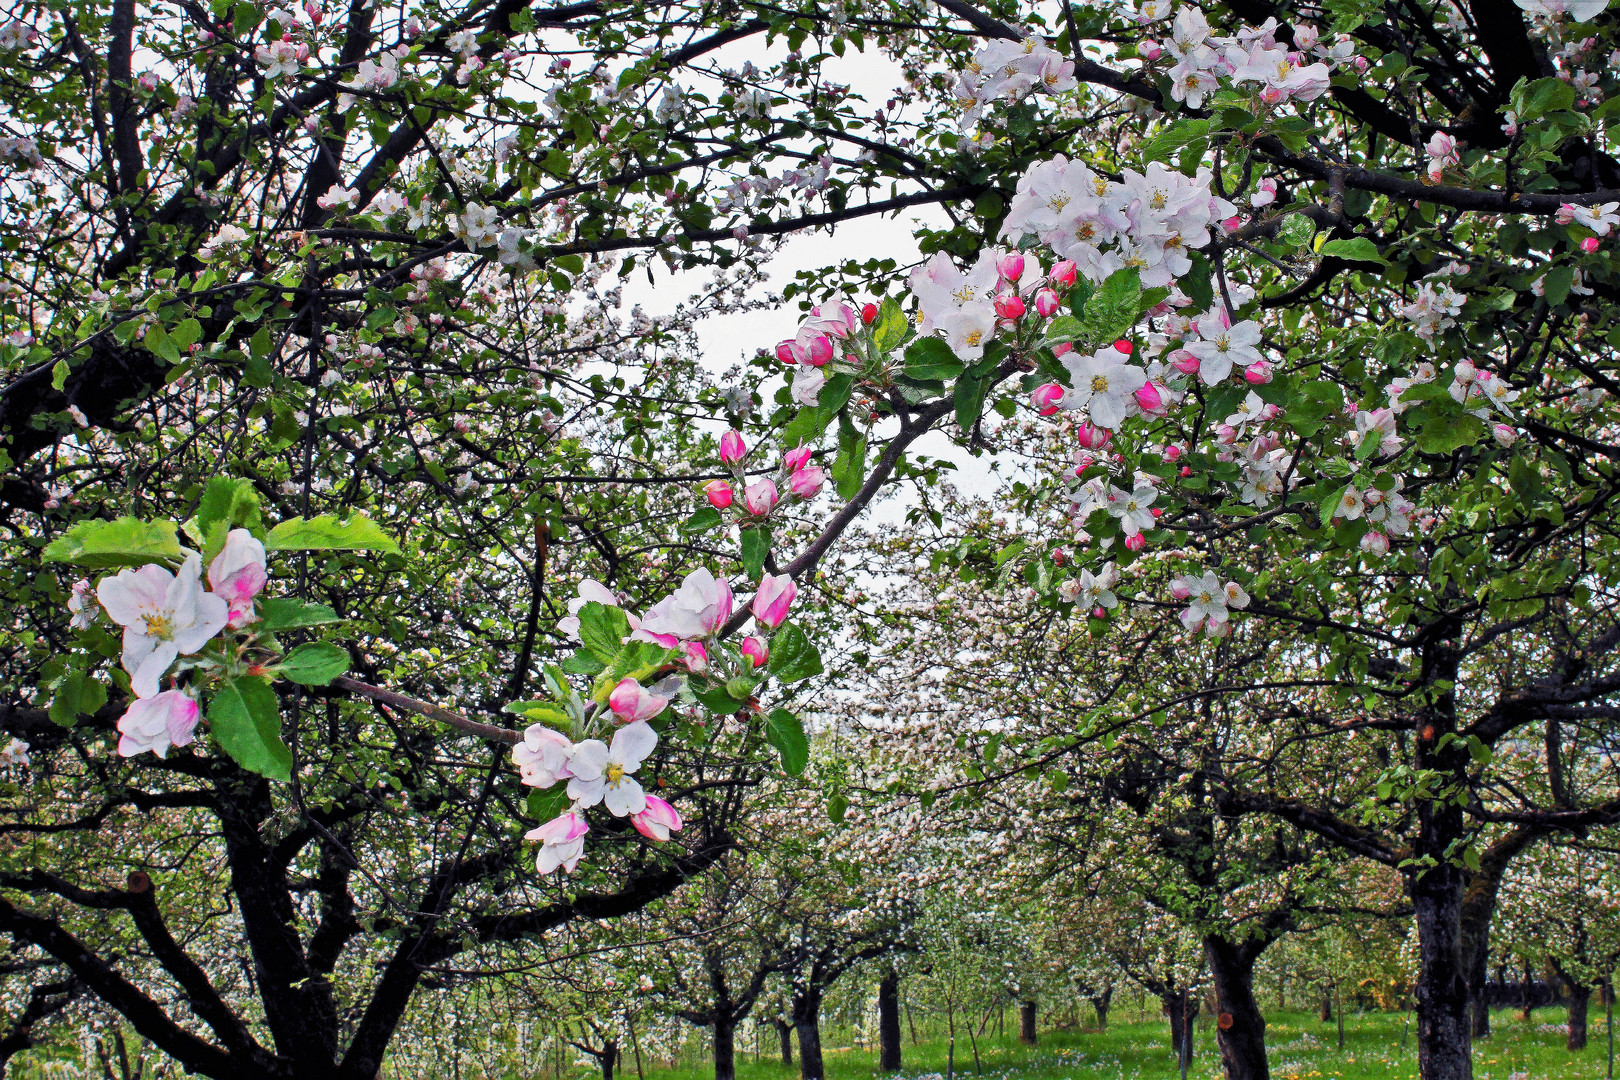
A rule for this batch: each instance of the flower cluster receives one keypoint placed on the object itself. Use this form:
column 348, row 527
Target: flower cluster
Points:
column 1010, row 71
column 1253, row 58
column 760, row 496
column 1147, row 220
column 1209, row 603
column 166, row 616
column 818, row 342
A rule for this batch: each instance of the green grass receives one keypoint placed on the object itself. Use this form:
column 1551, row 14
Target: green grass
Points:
column 1136, row 1048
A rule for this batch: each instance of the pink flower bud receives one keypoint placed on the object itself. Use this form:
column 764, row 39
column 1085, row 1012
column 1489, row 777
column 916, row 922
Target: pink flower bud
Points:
column 1258, row 372
column 1047, row 303
column 789, row 353
column 771, row 602
column 1062, row 348
column 1172, row 453
column 1589, row 245
column 697, row 657
column 1184, row 362
column 1058, row 556
column 806, row 483
column 1233, row 223
column 1149, row 50
column 719, row 493
column 1064, row 274
column 1136, row 542
column 1186, row 470
column 657, row 821
column 1046, row 397
column 869, row 314
column 630, row 701
column 1123, row 346
column 1092, row 437
column 761, row 496
column 1100, row 612
column 732, row 447
column 1504, row 434
column 796, row 459
column 754, row 648
column 1009, row 307
column 821, row 350
column 1150, row 399
column 1375, row 543
column 1360, row 63
column 1179, row 589
column 1010, row 267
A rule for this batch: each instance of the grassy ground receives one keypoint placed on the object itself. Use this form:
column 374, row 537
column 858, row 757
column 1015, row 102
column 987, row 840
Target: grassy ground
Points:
column 1135, row 1048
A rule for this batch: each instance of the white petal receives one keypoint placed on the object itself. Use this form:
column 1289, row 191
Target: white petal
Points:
column 625, row 798
column 586, row 792
column 208, row 618
column 143, row 678
column 632, row 743
column 588, row 759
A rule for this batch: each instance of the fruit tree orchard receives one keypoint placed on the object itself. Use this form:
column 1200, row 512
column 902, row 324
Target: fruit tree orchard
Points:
column 383, row 596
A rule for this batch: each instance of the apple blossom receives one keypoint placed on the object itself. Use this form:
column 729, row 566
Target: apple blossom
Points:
column 807, row 384
column 562, row 842
column 761, row 496
column 542, row 756
column 238, row 574
column 697, row 609
column 630, row 702
column 732, row 447
column 602, row 772
column 770, row 604
column 1046, row 398
column 719, row 493
column 796, row 459
column 1009, row 306
column 695, row 656
column 806, row 483
column 80, row 606
column 755, row 649
column 1104, row 386
column 657, row 821
column 1221, row 344
column 164, row 615
column 1375, row 543
column 157, row 723
column 1504, row 434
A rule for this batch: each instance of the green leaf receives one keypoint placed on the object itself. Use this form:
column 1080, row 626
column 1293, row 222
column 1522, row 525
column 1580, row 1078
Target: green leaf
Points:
column 245, row 719
column 582, row 663
column 547, row 804
column 785, row 732
column 1113, row 308
column 717, row 701
column 930, row 358
column 328, row 533
column 602, row 630
column 160, row 343
column 849, row 468
column 316, row 663
column 1445, row 434
column 228, row 502
column 286, row 613
column 76, row 695
column 186, row 333
column 127, row 541
column 890, row 328
column 1358, row 249
column 541, row 712
column 1064, row 328
column 705, row 520
column 837, row 807
column 1173, row 138
column 756, row 544
column 793, row 656
column 969, row 396
column 635, row 660
column 59, row 374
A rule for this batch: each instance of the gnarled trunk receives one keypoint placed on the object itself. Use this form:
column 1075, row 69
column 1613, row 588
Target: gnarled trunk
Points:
column 1444, row 1043
column 1100, row 1001
column 807, row 1026
column 889, row 1022
column 1325, row 1013
column 1026, row 1022
column 785, row 1030
column 1241, row 1030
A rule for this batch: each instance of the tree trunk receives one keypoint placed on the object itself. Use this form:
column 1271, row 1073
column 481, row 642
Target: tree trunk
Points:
column 1326, row 1011
column 609, row 1058
column 1444, row 1046
column 1100, row 1001
column 807, row 1025
column 1241, row 1031
column 725, row 1048
column 1579, row 998
column 1026, row 1022
column 889, row 1022
column 1181, row 1009
column 785, row 1030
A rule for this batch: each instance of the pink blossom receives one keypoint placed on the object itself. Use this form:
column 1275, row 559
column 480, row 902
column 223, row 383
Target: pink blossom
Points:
column 630, row 701
column 238, row 574
column 869, row 313
column 789, row 352
column 1258, row 372
column 657, row 821
column 1504, row 434
column 1009, row 307
column 1184, row 362
column 1010, row 267
column 732, row 447
column 806, row 483
column 1047, row 303
column 164, row 615
column 719, row 493
column 755, row 649
column 1150, row 399
column 1092, row 437
column 1589, row 245
column 1375, row 543
column 761, row 496
column 562, row 842
column 771, row 602
column 542, row 756
column 697, row 609
column 156, row 723
column 1064, row 274
column 796, row 459
column 1136, row 542
column 696, row 657
column 1046, row 398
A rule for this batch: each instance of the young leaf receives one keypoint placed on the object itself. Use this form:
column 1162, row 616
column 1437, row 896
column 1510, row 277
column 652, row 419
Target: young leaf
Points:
column 849, row 468
column 228, row 502
column 316, row 663
column 931, row 358
column 703, row 521
column 969, row 396
column 602, row 630
column 1357, row 249
column 125, row 542
column 328, row 533
column 285, row 613
column 793, row 656
column 246, row 722
column 756, row 543
column 891, row 326
column 785, row 732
